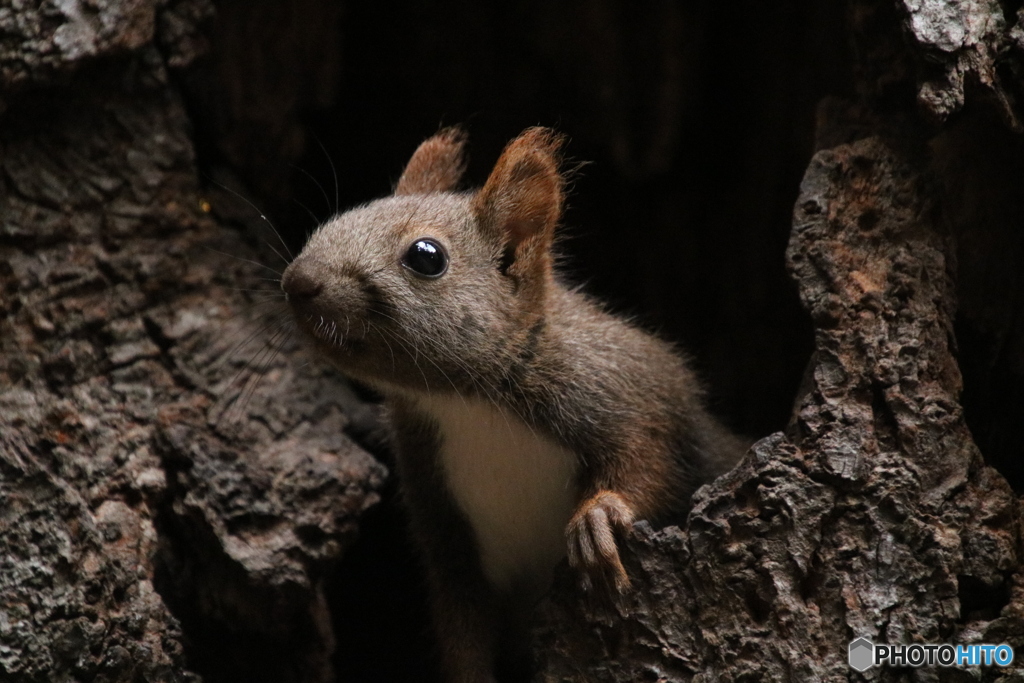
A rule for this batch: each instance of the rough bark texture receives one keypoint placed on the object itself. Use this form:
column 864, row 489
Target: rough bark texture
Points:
column 966, row 41
column 874, row 515
column 147, row 443
column 178, row 484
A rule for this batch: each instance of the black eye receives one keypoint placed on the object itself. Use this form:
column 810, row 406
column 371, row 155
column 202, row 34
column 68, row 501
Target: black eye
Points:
column 427, row 258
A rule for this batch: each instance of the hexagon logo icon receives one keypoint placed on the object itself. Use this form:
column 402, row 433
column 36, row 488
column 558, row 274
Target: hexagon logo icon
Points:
column 862, row 654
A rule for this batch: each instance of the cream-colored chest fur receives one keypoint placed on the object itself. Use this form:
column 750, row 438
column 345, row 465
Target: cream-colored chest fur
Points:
column 516, row 487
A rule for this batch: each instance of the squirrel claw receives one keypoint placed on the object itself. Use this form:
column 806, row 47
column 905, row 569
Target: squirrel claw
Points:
column 591, row 538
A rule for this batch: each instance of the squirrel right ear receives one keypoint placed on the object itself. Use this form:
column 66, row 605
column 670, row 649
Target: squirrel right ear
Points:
column 436, row 165
column 521, row 202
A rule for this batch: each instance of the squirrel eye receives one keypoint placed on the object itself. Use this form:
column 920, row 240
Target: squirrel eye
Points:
column 426, row 258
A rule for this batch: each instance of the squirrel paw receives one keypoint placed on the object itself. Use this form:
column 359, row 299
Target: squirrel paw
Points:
column 591, row 537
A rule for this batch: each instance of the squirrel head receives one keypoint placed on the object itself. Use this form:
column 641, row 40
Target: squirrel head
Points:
column 430, row 288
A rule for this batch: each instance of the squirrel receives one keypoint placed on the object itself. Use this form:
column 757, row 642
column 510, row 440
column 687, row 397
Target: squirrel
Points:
column 530, row 424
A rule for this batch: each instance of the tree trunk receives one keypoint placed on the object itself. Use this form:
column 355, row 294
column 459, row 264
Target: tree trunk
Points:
column 161, row 448
column 181, row 485
column 873, row 514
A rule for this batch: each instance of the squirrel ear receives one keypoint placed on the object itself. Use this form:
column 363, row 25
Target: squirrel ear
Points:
column 436, row 165
column 522, row 198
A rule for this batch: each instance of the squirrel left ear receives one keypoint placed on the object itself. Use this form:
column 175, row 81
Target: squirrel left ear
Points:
column 521, row 202
column 437, row 164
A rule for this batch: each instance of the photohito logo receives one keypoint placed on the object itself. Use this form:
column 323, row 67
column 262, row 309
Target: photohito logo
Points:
column 864, row 654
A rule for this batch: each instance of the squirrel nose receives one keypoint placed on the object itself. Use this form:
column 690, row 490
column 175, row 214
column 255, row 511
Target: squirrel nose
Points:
column 298, row 282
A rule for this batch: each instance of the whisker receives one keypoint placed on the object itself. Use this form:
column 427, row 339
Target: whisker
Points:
column 395, row 335
column 381, row 330
column 334, row 172
column 262, row 362
column 276, row 292
column 271, row 247
column 315, row 182
column 259, row 331
column 316, row 221
column 261, row 214
column 479, row 380
column 261, row 371
column 245, row 260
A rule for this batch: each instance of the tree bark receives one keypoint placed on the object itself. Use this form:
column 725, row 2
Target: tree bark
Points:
column 157, row 452
column 873, row 514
